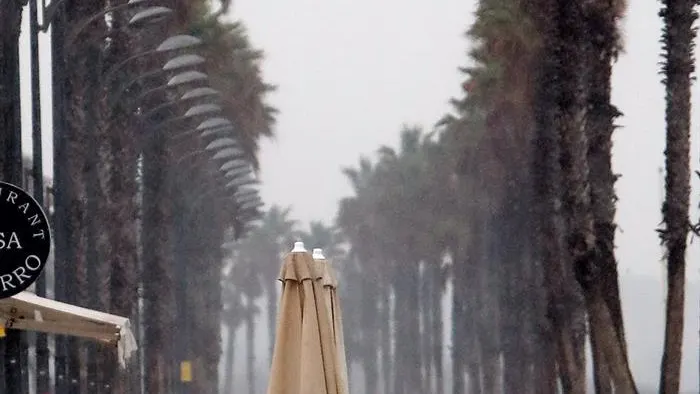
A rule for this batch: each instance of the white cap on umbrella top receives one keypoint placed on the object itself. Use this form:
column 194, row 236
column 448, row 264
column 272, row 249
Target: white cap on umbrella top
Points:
column 318, row 254
column 298, row 247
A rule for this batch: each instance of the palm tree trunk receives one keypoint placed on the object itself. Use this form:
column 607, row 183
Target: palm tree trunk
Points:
column 370, row 343
column 385, row 336
column 250, row 345
column 158, row 265
column 229, row 364
column 437, row 328
column 678, row 37
column 548, row 189
column 460, row 335
column 424, row 336
column 272, row 299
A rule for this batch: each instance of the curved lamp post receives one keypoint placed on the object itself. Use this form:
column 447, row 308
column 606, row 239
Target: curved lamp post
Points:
column 175, row 64
column 151, row 14
column 174, row 43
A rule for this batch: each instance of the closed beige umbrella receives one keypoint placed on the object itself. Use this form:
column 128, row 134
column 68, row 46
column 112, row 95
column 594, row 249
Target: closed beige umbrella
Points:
column 304, row 357
column 329, row 279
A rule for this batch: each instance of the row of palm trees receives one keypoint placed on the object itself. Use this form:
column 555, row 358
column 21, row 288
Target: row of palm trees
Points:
column 140, row 209
column 509, row 201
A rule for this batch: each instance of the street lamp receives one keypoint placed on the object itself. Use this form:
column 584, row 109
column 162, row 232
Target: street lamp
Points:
column 151, row 14
column 174, row 43
column 233, row 165
column 246, row 180
column 221, row 143
column 181, row 61
column 203, row 109
column 214, row 123
column 192, row 94
column 177, row 63
column 228, row 153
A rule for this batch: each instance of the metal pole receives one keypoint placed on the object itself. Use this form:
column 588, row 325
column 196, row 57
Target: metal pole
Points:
column 10, row 127
column 62, row 251
column 40, row 340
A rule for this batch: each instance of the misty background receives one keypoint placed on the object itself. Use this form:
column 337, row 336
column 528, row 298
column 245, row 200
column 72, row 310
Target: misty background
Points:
column 350, row 73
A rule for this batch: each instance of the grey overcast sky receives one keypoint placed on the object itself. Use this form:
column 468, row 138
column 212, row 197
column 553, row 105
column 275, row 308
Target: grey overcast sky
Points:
column 350, row 73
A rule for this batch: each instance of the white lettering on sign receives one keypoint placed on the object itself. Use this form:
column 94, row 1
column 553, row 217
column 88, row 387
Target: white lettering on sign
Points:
column 7, row 243
column 11, row 197
column 34, row 219
column 37, row 262
column 6, row 280
column 19, row 274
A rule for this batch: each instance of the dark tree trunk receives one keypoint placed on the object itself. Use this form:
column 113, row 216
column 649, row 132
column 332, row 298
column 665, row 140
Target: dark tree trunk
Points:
column 158, row 265
column 603, row 46
column 437, row 328
column 79, row 166
column 678, row 36
column 384, row 315
column 272, row 298
column 460, row 335
column 230, row 370
column 63, row 254
column 370, row 342
column 250, row 345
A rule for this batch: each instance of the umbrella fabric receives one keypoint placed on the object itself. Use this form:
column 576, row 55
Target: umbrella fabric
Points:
column 329, row 280
column 303, row 360
column 27, row 311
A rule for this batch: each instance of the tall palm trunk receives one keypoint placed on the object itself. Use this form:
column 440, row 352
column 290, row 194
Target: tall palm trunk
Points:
column 229, row 364
column 427, row 326
column 602, row 28
column 678, row 36
column 580, row 238
column 63, row 252
column 370, row 350
column 250, row 345
column 460, row 333
column 117, row 246
column 272, row 299
column 489, row 319
column 384, row 316
column 158, row 264
column 80, row 111
column 437, row 328
column 548, row 188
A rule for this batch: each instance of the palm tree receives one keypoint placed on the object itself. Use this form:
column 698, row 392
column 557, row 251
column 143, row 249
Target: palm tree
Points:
column 678, row 39
column 325, row 237
column 360, row 270
column 232, row 318
column 268, row 241
column 244, row 276
column 602, row 19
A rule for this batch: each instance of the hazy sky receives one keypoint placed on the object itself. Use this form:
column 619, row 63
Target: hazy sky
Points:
column 350, row 73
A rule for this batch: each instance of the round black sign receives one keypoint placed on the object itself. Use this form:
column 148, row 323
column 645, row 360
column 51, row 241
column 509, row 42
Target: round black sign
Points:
column 25, row 240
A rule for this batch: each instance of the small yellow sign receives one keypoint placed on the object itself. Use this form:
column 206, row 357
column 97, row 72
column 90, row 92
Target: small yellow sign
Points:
column 2, row 332
column 185, row 371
